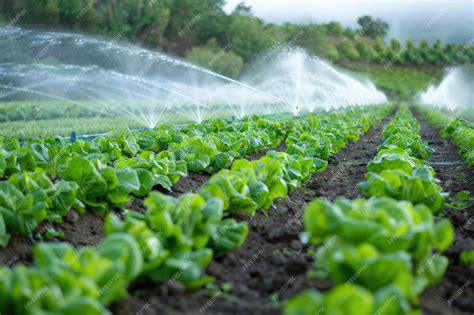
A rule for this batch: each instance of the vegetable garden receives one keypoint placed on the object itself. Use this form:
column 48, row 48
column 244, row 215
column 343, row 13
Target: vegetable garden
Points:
column 355, row 211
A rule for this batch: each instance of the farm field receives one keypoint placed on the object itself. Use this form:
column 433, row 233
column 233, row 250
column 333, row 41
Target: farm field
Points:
column 258, row 193
column 43, row 118
column 224, row 157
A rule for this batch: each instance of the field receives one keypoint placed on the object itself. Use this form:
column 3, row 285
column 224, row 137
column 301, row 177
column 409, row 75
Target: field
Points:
column 236, row 157
column 189, row 220
column 402, row 83
column 42, row 118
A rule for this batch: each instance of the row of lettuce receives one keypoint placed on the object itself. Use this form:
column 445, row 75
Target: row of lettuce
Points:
column 380, row 253
column 458, row 129
column 176, row 237
column 44, row 178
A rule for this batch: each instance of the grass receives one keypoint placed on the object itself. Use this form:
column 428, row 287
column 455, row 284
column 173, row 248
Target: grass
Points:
column 32, row 119
column 34, row 110
column 64, row 126
column 400, row 83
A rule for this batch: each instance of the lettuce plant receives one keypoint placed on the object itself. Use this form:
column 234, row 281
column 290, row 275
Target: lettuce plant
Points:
column 350, row 299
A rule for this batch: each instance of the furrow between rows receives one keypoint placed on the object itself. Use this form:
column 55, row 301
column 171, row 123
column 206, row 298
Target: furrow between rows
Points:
column 272, row 264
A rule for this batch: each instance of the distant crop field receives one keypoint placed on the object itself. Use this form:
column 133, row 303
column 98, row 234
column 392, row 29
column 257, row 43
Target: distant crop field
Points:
column 190, row 157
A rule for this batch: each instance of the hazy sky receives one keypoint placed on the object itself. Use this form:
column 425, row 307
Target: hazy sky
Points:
column 449, row 20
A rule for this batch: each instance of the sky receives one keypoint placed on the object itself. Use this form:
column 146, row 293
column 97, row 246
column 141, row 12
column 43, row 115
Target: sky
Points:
column 448, row 20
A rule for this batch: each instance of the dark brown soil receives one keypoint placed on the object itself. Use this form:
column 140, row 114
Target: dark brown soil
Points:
column 87, row 229
column 341, row 178
column 19, row 250
column 190, row 183
column 455, row 293
column 194, row 181
column 257, row 155
column 272, row 264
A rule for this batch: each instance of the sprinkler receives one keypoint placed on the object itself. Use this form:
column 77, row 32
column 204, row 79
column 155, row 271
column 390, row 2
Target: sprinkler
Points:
column 73, row 137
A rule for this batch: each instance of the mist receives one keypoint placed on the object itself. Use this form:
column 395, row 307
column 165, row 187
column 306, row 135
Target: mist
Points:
column 449, row 21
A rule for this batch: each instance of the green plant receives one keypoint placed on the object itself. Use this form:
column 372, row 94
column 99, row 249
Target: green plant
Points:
column 176, row 237
column 467, row 258
column 398, row 170
column 350, row 299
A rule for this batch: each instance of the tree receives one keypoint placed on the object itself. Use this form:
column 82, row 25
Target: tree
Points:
column 381, row 49
column 334, row 29
column 366, row 51
column 248, row 37
column 411, row 54
column 425, row 52
column 372, row 27
column 10, row 8
column 213, row 24
column 395, row 45
column 243, row 10
column 348, row 32
column 313, row 39
column 78, row 14
column 141, row 20
column 440, row 58
column 43, row 12
column 186, row 15
column 70, row 11
column 455, row 54
column 217, row 59
column 395, row 53
column 193, row 23
column 347, row 50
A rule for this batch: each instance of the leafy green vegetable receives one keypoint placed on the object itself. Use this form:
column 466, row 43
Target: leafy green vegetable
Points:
column 398, row 170
column 174, row 240
column 467, row 257
column 387, row 224
column 380, row 253
column 349, row 299
column 457, row 129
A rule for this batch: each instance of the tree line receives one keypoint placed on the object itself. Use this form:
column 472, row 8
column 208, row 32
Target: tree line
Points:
column 203, row 33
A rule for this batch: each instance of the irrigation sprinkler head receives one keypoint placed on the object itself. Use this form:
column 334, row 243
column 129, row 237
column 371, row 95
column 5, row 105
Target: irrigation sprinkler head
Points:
column 150, row 88
column 73, row 137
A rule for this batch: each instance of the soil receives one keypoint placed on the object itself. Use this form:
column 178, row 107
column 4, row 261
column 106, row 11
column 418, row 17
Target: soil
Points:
column 194, row 181
column 19, row 250
column 190, row 183
column 260, row 154
column 87, row 229
column 455, row 293
column 272, row 264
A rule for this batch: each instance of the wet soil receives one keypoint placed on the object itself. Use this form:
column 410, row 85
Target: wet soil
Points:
column 87, row 229
column 272, row 264
column 194, row 181
column 190, row 183
column 455, row 293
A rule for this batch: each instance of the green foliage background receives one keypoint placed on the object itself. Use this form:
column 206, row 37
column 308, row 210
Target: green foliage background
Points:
column 226, row 43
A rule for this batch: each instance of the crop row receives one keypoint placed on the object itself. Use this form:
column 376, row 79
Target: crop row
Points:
column 380, row 253
column 176, row 237
column 47, row 177
column 460, row 130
